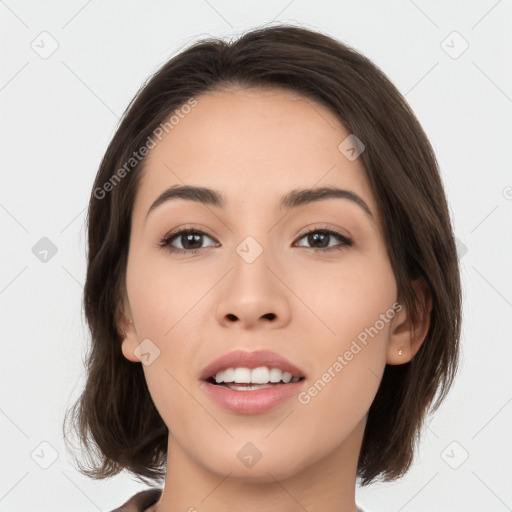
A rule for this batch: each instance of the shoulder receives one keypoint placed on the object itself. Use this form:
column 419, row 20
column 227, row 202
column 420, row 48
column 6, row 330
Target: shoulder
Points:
column 140, row 501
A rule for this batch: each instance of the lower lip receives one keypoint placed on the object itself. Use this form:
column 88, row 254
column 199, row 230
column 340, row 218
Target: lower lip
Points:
column 252, row 402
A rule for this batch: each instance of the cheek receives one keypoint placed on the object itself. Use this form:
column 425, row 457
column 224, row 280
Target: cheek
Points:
column 352, row 304
column 345, row 296
column 350, row 355
column 162, row 292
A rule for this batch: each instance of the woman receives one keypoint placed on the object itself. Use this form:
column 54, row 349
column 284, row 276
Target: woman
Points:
column 272, row 287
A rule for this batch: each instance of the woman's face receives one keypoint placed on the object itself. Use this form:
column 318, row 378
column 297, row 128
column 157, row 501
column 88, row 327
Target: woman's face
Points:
column 258, row 281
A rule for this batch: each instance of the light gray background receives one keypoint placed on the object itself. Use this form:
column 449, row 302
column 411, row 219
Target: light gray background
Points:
column 57, row 116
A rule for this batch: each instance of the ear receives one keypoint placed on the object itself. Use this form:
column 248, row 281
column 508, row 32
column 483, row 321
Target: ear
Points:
column 128, row 332
column 405, row 336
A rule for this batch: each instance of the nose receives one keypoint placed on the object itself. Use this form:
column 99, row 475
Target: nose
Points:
column 253, row 295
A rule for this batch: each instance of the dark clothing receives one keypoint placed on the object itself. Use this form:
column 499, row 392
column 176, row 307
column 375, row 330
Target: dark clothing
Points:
column 140, row 501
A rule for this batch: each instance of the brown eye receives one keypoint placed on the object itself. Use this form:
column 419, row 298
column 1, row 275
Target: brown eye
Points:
column 320, row 239
column 191, row 240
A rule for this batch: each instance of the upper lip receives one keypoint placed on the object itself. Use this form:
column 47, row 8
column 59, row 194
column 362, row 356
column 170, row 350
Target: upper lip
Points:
column 244, row 359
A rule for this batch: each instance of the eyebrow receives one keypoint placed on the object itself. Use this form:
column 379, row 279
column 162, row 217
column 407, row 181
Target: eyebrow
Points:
column 293, row 199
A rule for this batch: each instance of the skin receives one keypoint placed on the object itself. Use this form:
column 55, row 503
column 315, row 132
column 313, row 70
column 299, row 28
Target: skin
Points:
column 254, row 146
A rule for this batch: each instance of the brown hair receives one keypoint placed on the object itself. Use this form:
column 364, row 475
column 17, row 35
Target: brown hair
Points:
column 115, row 417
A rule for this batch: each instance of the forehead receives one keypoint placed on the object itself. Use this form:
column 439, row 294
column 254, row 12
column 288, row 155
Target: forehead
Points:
column 254, row 145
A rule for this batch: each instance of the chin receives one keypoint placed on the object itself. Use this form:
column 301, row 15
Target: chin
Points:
column 263, row 474
column 267, row 469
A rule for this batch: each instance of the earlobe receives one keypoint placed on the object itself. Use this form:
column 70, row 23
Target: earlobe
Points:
column 130, row 342
column 130, row 339
column 399, row 349
column 406, row 335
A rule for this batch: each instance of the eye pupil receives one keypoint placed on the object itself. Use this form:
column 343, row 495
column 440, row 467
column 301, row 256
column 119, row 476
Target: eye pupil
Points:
column 314, row 237
column 194, row 236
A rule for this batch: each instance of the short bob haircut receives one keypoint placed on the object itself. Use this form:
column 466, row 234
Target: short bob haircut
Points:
column 115, row 417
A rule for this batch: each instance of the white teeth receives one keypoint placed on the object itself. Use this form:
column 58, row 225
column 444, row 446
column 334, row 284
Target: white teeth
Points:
column 242, row 375
column 287, row 377
column 260, row 375
column 228, row 375
column 275, row 375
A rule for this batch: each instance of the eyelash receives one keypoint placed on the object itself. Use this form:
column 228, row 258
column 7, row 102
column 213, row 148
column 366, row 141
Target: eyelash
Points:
column 165, row 243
